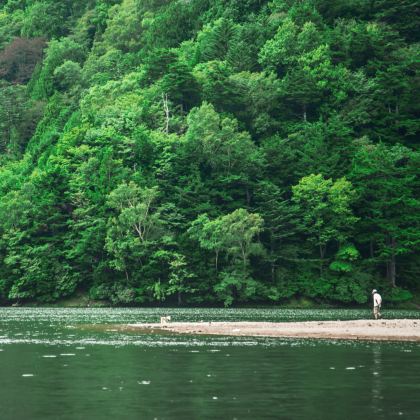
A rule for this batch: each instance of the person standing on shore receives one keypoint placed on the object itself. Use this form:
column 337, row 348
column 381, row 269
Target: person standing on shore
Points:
column 377, row 302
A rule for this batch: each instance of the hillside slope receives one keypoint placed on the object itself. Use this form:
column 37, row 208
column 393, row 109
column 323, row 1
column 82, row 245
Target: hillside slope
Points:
column 205, row 151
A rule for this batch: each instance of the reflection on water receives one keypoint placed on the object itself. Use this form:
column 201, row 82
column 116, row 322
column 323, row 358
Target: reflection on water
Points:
column 56, row 364
column 377, row 378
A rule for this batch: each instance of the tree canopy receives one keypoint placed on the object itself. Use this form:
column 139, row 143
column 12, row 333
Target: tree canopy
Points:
column 209, row 151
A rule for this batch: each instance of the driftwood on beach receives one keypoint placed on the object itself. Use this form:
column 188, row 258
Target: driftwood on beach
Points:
column 385, row 330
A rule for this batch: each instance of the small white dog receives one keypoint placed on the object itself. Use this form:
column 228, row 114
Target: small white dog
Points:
column 165, row 319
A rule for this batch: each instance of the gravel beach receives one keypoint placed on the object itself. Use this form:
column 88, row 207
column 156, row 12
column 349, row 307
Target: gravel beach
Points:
column 384, row 329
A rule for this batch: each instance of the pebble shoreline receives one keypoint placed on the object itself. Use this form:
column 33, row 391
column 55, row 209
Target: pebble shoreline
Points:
column 383, row 329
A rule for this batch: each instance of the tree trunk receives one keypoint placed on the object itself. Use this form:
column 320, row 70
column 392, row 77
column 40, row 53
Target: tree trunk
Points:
column 321, row 262
column 167, row 113
column 272, row 260
column 179, row 298
column 243, row 260
column 393, row 263
column 304, row 112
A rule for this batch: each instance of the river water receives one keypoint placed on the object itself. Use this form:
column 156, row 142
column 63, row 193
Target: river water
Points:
column 77, row 364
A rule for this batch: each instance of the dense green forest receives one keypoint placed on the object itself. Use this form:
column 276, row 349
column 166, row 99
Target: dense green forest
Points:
column 209, row 151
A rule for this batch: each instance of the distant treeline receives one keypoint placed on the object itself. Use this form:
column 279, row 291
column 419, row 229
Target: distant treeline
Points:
column 209, row 151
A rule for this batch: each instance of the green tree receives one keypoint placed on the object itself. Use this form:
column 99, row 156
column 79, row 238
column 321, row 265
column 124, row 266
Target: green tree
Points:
column 179, row 276
column 68, row 75
column 385, row 177
column 234, row 234
column 57, row 53
column 134, row 226
column 213, row 41
column 141, row 150
column 325, row 210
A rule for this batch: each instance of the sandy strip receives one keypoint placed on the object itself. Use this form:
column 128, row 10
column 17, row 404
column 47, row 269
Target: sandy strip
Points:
column 386, row 330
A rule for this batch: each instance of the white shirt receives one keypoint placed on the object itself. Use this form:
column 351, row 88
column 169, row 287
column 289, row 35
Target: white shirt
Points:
column 377, row 299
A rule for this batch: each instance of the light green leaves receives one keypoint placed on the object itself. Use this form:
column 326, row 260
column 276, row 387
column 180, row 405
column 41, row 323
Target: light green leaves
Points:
column 325, row 209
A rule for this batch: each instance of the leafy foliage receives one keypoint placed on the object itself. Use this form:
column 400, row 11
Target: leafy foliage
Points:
column 206, row 152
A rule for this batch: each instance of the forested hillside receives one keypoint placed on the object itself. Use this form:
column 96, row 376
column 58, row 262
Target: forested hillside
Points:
column 209, row 151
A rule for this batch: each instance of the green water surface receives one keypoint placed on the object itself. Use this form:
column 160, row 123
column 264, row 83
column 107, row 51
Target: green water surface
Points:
column 76, row 364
